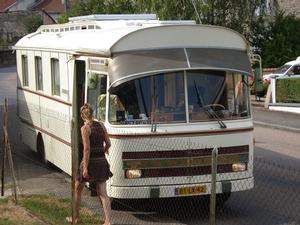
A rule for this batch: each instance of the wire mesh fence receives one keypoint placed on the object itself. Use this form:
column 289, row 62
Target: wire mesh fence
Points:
column 274, row 199
column 168, row 164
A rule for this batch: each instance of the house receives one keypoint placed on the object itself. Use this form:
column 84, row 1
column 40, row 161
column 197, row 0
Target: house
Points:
column 13, row 15
column 290, row 7
column 51, row 8
column 18, row 5
column 5, row 5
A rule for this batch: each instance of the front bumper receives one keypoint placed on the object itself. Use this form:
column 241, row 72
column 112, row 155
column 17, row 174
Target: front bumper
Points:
column 169, row 191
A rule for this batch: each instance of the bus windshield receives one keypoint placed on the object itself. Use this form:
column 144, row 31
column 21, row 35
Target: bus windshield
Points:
column 180, row 97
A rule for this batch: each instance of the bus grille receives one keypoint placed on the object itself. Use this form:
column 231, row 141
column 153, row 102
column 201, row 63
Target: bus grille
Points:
column 184, row 162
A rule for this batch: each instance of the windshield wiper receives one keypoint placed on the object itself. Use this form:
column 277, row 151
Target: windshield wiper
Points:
column 154, row 102
column 208, row 108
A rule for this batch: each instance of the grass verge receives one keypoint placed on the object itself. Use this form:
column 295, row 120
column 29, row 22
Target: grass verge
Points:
column 50, row 209
column 11, row 214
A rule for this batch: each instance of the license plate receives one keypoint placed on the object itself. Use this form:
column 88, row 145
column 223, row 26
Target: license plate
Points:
column 190, row 190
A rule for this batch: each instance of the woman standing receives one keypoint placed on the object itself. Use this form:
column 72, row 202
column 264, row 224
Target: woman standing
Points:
column 94, row 166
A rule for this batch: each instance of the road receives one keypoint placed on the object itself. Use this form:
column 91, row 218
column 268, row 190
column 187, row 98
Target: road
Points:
column 273, row 201
column 8, row 80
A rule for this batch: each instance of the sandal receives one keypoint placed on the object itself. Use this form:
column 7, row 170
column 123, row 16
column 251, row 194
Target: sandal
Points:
column 69, row 220
column 105, row 223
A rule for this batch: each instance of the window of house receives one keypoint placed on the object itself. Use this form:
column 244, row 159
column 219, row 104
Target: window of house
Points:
column 25, row 70
column 38, row 73
column 55, row 78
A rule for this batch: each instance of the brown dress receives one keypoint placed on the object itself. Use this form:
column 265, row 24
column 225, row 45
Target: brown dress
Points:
column 98, row 168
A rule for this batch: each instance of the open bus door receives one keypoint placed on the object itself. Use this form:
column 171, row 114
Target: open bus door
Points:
column 77, row 101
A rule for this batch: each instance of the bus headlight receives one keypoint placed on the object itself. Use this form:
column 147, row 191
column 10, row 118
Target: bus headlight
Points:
column 132, row 174
column 238, row 167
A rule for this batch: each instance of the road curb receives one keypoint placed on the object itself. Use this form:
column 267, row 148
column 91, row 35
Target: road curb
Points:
column 276, row 126
column 258, row 104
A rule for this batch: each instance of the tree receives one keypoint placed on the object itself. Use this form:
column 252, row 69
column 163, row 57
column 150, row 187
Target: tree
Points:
column 172, row 10
column 165, row 9
column 87, row 7
column 283, row 42
column 248, row 17
column 33, row 22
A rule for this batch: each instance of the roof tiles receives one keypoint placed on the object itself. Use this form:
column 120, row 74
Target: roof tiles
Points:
column 5, row 4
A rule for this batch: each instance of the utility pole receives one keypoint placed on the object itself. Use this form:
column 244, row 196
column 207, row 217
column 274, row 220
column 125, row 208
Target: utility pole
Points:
column 196, row 11
column 67, row 6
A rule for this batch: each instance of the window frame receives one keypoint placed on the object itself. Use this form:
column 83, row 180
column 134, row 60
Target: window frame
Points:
column 39, row 73
column 156, row 114
column 25, row 75
column 101, row 76
column 231, row 77
column 55, row 77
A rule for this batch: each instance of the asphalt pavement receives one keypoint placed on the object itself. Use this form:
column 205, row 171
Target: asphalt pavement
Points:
column 275, row 119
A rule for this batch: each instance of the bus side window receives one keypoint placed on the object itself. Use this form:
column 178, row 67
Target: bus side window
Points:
column 25, row 81
column 55, row 76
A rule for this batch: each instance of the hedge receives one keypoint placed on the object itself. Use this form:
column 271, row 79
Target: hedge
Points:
column 288, row 90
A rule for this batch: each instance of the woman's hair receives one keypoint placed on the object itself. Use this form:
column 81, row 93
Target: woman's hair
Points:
column 87, row 111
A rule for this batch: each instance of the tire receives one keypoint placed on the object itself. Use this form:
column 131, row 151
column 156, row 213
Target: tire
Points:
column 41, row 150
column 117, row 204
column 222, row 199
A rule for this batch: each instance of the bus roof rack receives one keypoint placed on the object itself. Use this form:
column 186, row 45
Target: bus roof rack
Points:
column 105, row 17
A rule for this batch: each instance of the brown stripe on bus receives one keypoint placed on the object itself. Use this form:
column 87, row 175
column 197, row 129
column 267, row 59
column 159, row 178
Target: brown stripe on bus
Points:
column 189, row 134
column 184, row 162
column 184, row 153
column 45, row 96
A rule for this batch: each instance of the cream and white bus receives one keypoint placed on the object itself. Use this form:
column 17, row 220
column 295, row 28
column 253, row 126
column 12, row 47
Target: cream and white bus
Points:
column 167, row 91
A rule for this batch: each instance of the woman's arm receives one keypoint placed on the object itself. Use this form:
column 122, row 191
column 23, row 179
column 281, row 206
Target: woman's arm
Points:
column 85, row 134
column 106, row 139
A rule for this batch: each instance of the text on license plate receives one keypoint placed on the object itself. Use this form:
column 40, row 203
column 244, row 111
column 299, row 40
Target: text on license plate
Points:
column 190, row 190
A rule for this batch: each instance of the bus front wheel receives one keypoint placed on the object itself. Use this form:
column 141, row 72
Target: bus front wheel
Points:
column 222, row 198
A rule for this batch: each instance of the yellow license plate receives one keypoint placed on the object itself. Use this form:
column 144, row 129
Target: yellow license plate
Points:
column 190, row 190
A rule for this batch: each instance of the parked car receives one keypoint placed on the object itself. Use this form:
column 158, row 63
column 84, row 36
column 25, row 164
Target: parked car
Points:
column 291, row 68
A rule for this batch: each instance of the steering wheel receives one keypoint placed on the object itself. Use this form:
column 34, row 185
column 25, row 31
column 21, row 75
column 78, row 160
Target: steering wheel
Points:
column 215, row 106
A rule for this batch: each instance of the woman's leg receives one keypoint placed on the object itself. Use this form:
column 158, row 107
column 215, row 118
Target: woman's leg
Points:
column 78, row 190
column 104, row 199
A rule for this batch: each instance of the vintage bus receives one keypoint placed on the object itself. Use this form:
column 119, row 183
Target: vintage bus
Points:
column 167, row 91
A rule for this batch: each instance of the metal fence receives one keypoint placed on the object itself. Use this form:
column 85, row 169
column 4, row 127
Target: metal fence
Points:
column 274, row 200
